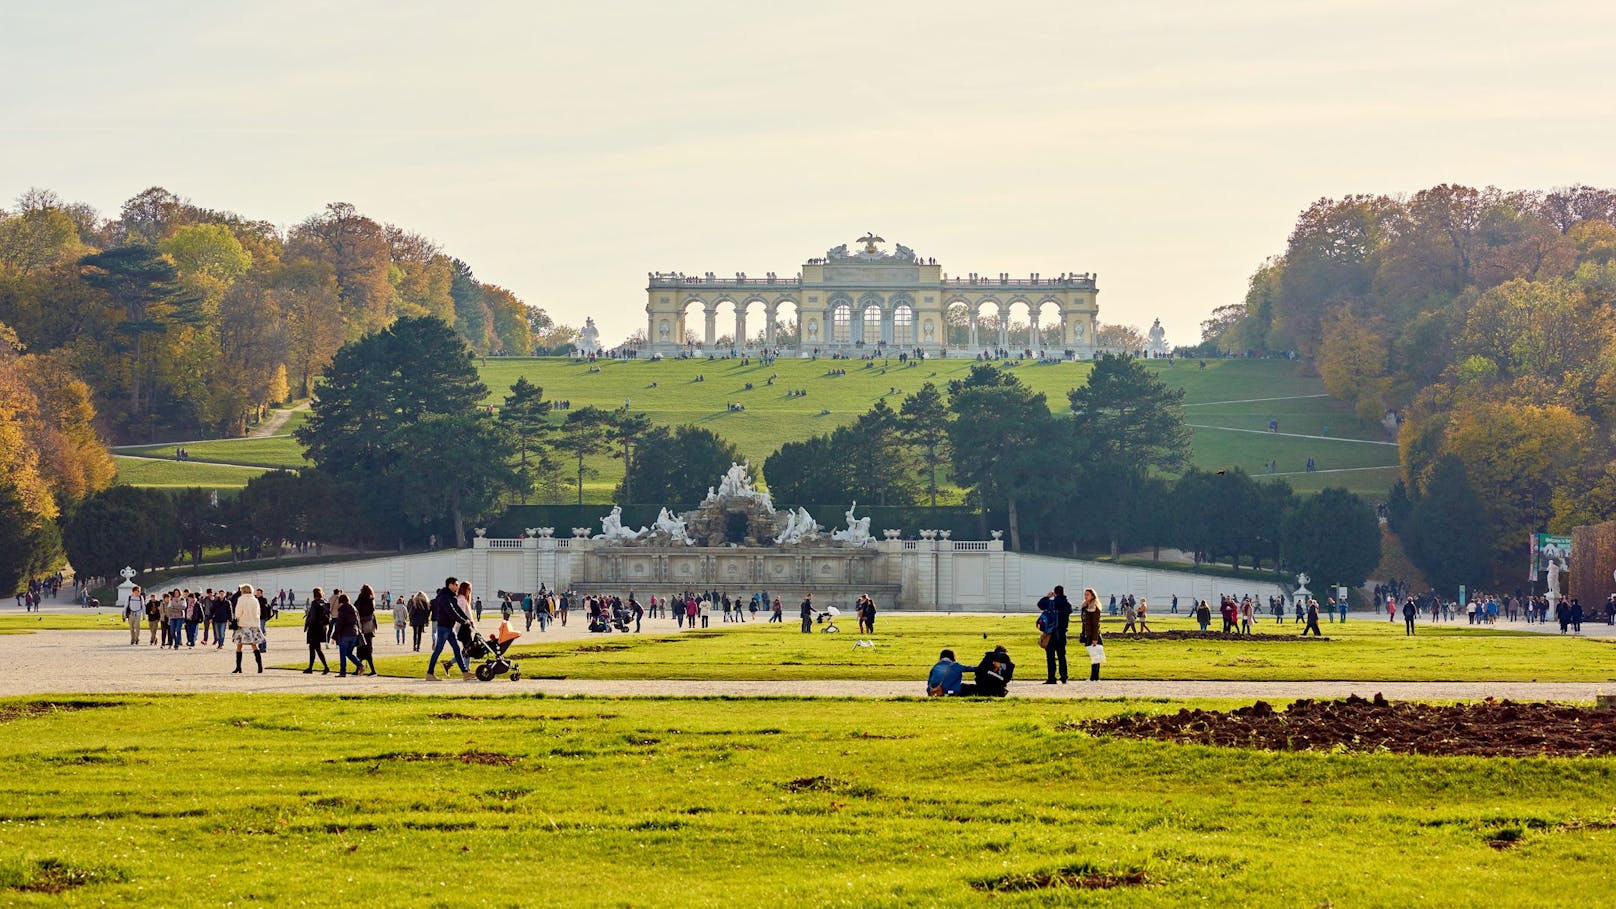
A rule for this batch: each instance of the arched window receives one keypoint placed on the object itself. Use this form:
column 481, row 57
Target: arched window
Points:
column 841, row 324
column 903, row 325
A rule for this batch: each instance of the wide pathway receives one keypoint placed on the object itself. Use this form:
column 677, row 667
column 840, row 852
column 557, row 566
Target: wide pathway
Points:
column 103, row 662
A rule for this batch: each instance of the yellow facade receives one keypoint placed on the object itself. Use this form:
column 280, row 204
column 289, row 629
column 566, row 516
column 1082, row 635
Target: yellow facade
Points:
column 869, row 301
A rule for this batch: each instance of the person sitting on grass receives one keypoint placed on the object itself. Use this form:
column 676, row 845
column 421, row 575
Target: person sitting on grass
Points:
column 993, row 674
column 946, row 676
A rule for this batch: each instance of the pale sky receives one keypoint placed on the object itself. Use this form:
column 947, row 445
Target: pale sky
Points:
column 565, row 149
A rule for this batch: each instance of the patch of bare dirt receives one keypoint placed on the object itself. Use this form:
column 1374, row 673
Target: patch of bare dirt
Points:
column 1484, row 729
column 1075, row 877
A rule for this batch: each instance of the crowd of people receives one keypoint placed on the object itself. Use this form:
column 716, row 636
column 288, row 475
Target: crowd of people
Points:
column 182, row 619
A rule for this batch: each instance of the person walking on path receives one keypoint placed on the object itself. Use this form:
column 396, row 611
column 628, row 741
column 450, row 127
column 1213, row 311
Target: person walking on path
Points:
column 316, row 628
column 245, row 628
column 1130, row 617
column 134, row 609
column 777, row 613
column 420, row 614
column 1312, row 619
column 365, row 647
column 1090, row 635
column 1144, row 614
column 401, row 619
column 447, row 617
column 219, row 617
column 1055, row 618
column 345, row 629
column 807, row 611
column 1410, row 610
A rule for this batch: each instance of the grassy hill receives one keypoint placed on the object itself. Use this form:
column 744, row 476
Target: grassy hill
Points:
column 1229, row 404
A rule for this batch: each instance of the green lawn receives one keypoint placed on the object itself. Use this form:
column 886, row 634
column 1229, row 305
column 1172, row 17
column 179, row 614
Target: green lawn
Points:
column 1360, row 649
column 772, row 419
column 278, row 451
column 181, row 474
column 457, row 801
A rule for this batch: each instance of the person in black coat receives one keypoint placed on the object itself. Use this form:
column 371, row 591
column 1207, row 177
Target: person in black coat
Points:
column 316, row 628
column 1055, row 654
column 345, row 629
column 993, row 674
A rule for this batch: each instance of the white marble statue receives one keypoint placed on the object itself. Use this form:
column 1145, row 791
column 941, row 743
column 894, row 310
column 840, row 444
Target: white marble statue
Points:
column 800, row 528
column 1554, row 579
column 736, row 482
column 857, row 532
column 673, row 526
column 589, row 338
column 1157, row 345
column 612, row 529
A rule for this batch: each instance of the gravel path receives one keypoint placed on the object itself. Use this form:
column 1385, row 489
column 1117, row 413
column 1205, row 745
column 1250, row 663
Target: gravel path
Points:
column 103, row 662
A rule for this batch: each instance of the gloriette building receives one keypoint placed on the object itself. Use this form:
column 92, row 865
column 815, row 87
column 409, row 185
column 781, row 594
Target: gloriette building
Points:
column 869, row 299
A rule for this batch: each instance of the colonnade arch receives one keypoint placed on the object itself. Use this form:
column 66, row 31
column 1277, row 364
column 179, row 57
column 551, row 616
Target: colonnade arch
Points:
column 871, row 298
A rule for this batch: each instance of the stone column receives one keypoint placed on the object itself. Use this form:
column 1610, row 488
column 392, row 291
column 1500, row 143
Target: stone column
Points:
column 1004, row 327
column 1032, row 332
column 712, row 326
column 740, row 327
column 887, row 326
column 770, row 311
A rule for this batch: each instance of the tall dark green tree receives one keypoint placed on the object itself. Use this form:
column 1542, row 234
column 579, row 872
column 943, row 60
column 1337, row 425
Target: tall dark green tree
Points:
column 197, row 521
column 627, row 428
column 1334, row 537
column 925, row 425
column 121, row 525
column 380, row 388
column 145, row 288
column 586, row 432
column 875, row 460
column 1448, row 530
column 805, row 473
column 1004, row 439
column 1125, row 414
column 1212, row 511
column 526, row 416
column 432, row 486
column 676, row 465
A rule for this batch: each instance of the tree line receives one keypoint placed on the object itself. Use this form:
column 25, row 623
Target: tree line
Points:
column 403, row 447
column 1480, row 325
column 188, row 321
column 1108, row 471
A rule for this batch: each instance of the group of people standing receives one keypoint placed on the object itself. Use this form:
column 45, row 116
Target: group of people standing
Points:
column 1054, row 620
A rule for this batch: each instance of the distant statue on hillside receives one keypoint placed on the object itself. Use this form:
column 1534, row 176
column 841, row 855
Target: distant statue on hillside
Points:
column 1157, row 345
column 589, row 338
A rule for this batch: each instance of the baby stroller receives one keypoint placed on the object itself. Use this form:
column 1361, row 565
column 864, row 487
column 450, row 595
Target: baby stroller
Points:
column 828, row 619
column 491, row 651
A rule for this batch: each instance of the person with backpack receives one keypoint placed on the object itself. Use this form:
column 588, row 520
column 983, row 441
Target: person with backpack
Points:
column 1054, row 615
column 134, row 609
